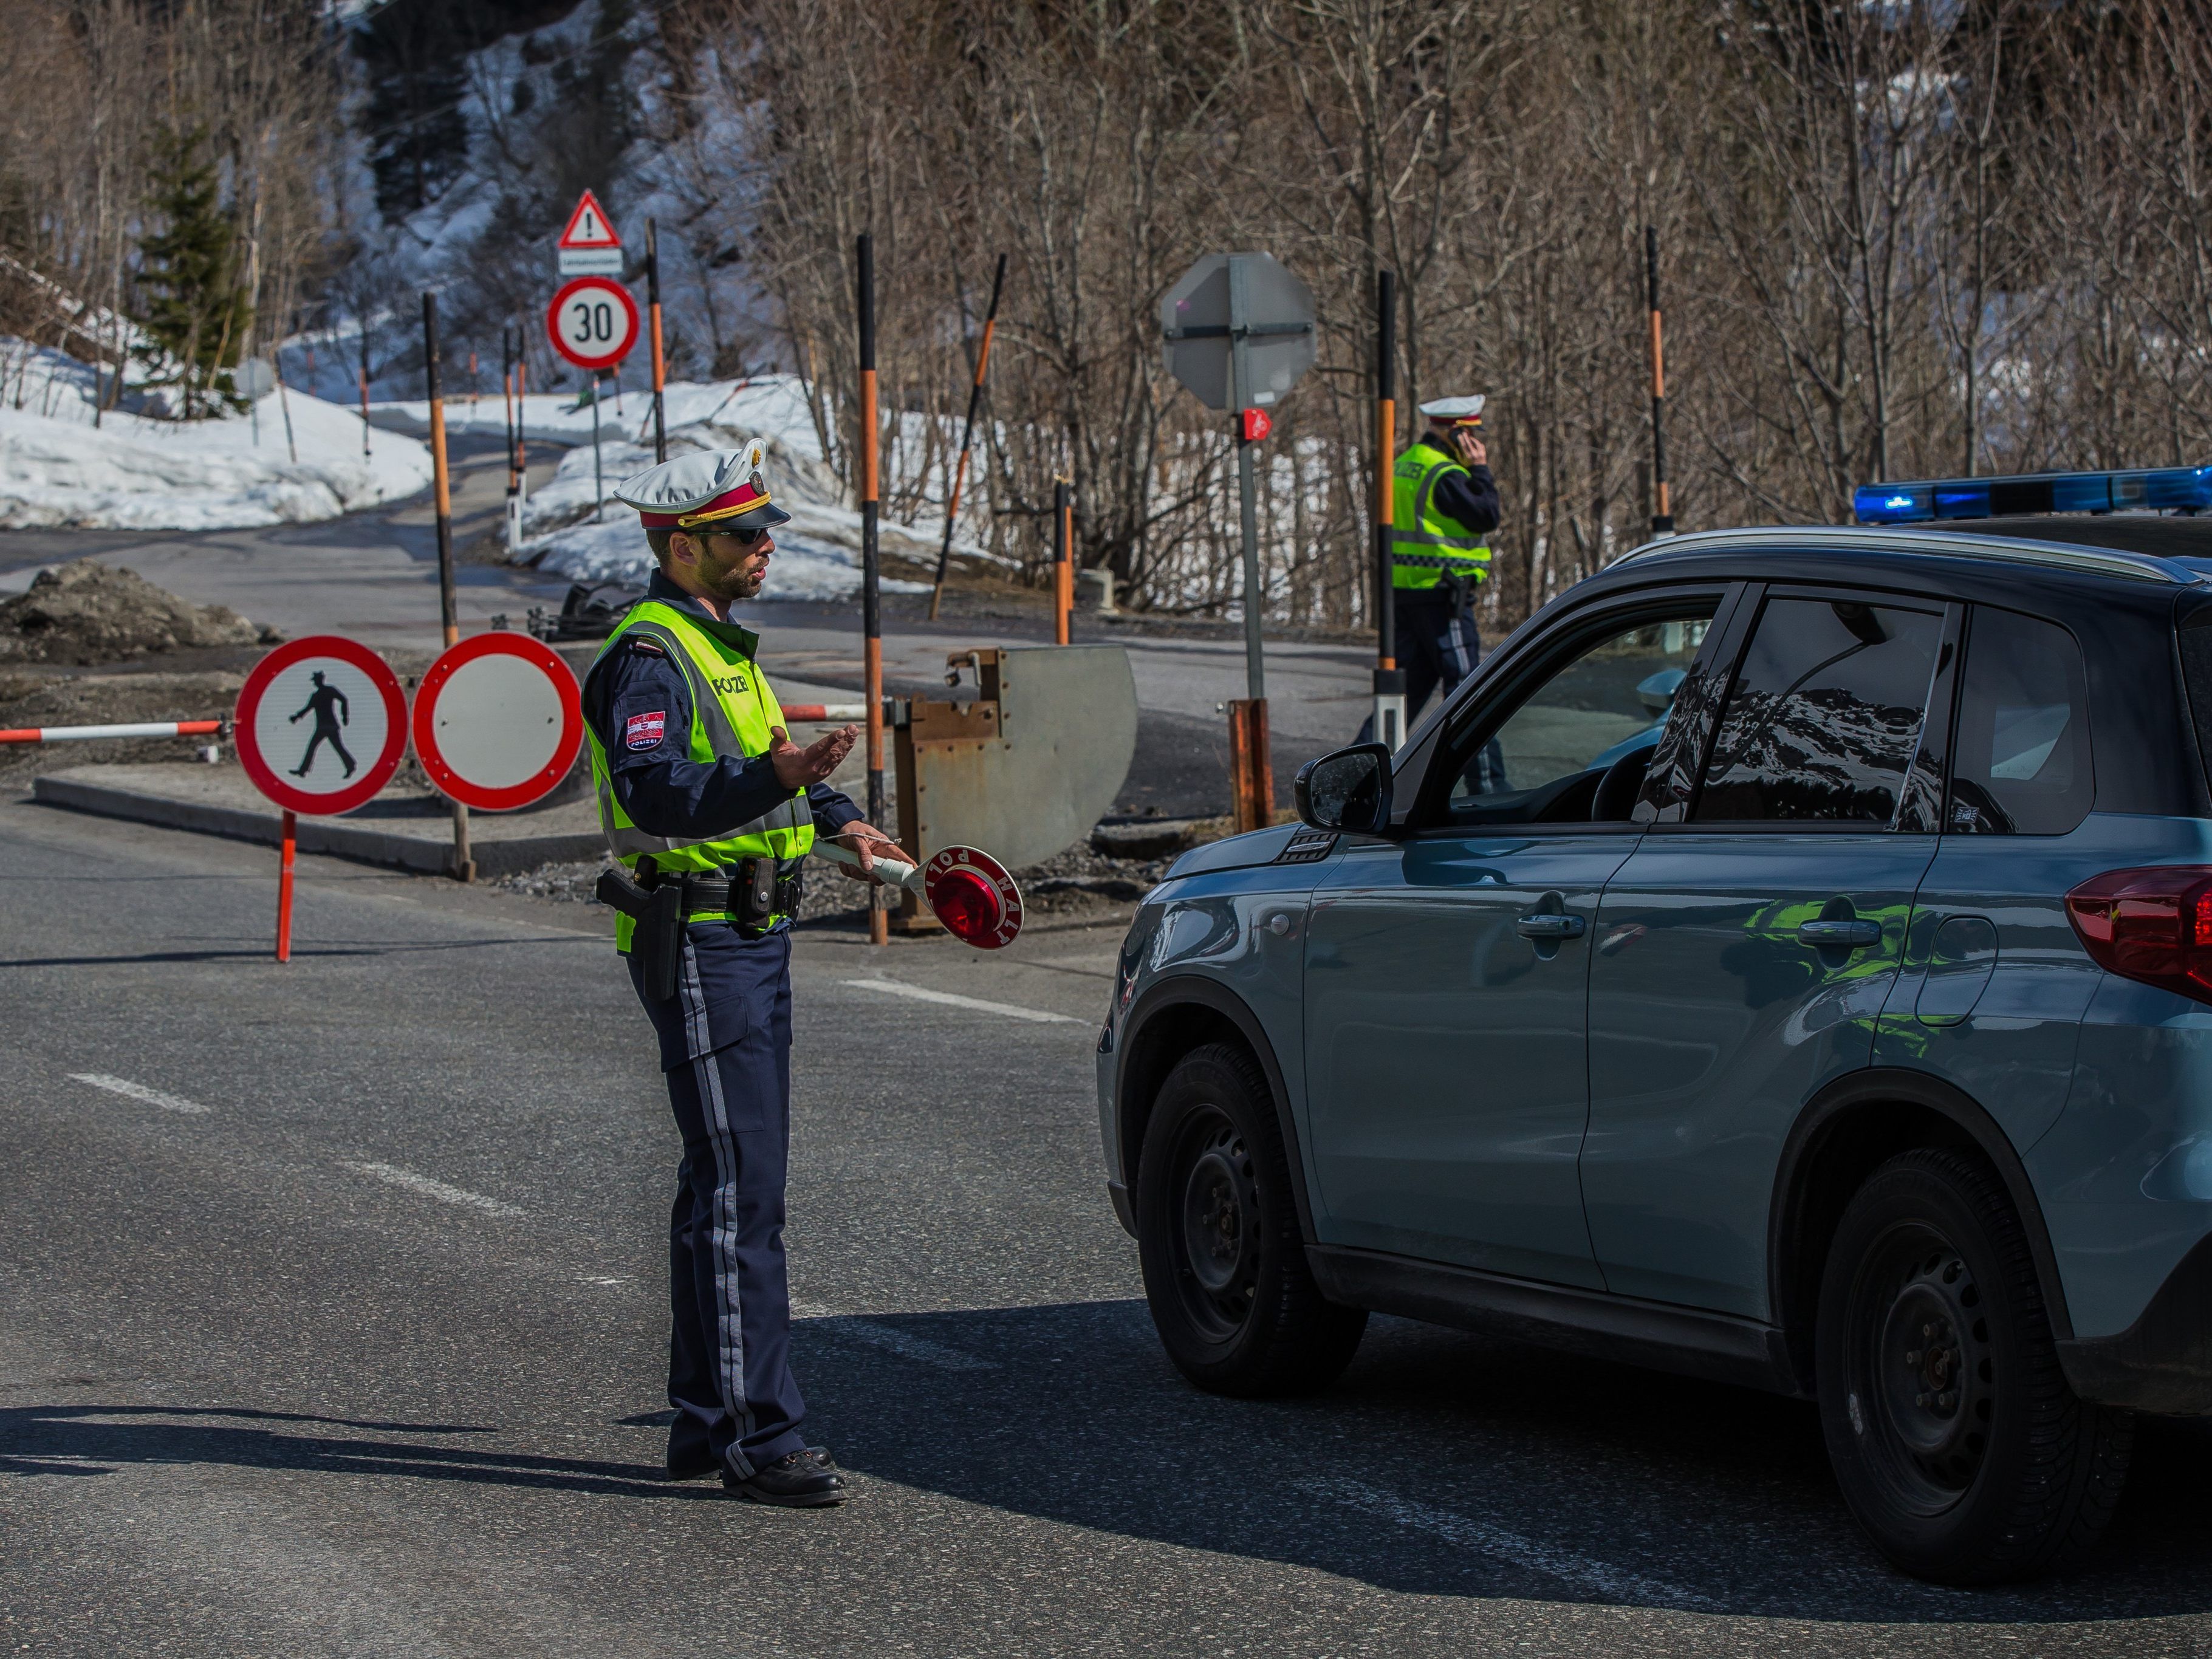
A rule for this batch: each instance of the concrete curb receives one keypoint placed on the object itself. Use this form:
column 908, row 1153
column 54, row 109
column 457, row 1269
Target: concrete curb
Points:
column 428, row 855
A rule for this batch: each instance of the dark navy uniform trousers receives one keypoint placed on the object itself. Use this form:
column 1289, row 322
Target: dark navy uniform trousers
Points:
column 725, row 1047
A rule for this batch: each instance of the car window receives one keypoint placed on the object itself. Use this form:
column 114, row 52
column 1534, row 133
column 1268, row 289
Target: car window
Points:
column 1544, row 761
column 1825, row 715
column 2022, row 766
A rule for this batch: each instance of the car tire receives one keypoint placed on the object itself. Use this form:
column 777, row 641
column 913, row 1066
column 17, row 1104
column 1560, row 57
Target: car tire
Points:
column 1959, row 1448
column 1225, row 1266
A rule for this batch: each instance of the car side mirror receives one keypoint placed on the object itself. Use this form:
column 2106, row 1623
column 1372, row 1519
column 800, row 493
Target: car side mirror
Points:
column 1349, row 790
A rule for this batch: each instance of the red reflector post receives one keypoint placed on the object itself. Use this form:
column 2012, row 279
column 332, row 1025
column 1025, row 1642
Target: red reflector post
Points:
column 2151, row 925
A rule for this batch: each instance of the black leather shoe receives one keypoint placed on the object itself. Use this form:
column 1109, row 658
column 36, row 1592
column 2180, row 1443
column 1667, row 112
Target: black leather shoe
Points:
column 805, row 1480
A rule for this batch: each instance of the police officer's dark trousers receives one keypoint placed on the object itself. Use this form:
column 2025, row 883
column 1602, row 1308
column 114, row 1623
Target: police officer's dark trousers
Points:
column 726, row 1047
column 1437, row 644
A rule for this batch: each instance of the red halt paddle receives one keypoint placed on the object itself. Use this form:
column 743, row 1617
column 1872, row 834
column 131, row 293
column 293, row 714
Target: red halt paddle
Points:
column 964, row 887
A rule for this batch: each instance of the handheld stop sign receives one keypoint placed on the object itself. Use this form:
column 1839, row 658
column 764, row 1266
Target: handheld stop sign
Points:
column 970, row 891
column 498, row 722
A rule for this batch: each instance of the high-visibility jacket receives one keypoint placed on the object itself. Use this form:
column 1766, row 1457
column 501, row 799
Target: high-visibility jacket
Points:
column 732, row 711
column 1424, row 543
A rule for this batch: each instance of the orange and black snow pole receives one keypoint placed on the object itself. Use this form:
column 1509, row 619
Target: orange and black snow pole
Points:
column 1389, row 726
column 660, row 360
column 1663, row 514
column 968, row 434
column 871, row 620
column 364, row 385
column 465, row 867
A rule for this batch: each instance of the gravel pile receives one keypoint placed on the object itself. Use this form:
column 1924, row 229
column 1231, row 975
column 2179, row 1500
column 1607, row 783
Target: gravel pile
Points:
column 1081, row 883
column 86, row 613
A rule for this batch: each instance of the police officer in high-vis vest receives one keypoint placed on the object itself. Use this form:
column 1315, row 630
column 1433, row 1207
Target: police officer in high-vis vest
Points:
column 1443, row 506
column 709, row 807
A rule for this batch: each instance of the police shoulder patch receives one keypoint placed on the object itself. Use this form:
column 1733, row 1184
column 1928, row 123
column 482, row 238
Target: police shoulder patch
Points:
column 645, row 731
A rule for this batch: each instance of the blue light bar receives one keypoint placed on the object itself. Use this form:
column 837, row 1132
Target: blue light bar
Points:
column 2171, row 489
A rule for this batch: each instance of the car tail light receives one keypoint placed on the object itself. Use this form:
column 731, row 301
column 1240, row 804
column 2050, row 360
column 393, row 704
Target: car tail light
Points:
column 2153, row 925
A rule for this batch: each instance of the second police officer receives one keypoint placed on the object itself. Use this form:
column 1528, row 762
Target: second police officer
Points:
column 1443, row 506
column 709, row 807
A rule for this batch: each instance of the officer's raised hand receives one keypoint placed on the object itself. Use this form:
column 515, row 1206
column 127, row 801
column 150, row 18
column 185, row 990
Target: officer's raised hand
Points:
column 1470, row 448
column 797, row 768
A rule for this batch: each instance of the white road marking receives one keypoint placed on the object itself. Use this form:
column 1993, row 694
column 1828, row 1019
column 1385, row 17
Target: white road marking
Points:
column 894, row 987
column 1591, row 1574
column 437, row 1189
column 122, row 1086
column 894, row 1340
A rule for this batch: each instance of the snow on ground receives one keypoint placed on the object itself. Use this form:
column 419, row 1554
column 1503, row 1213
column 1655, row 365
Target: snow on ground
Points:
column 136, row 472
column 818, row 554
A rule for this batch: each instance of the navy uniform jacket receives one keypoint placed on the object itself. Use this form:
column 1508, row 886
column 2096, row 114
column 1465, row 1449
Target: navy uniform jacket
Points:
column 665, row 791
column 1465, row 494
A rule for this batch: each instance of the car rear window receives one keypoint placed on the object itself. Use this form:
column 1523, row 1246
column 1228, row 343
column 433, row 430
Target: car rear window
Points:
column 1824, row 716
column 2022, row 765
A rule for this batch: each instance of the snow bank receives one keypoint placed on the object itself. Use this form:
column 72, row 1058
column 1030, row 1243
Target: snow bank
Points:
column 132, row 472
column 818, row 554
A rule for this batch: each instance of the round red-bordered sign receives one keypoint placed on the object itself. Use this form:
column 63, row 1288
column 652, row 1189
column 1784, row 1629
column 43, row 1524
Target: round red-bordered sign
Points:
column 314, row 703
column 498, row 722
column 592, row 322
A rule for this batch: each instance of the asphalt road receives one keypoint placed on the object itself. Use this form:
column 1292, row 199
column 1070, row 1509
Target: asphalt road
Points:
column 332, row 1321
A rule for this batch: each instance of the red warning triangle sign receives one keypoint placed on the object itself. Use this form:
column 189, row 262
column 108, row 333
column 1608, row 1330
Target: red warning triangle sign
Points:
column 589, row 226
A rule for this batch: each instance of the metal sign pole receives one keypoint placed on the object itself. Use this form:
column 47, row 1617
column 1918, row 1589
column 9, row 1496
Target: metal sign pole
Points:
column 465, row 867
column 1389, row 726
column 599, row 483
column 1240, row 382
column 285, row 887
column 872, row 621
column 1063, row 562
column 364, row 385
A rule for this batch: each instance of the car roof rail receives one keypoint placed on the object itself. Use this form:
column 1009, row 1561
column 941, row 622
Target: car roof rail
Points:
column 1929, row 543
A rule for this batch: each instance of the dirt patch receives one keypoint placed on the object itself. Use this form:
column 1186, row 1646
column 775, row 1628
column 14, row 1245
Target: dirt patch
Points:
column 87, row 613
column 107, row 700
column 1080, row 885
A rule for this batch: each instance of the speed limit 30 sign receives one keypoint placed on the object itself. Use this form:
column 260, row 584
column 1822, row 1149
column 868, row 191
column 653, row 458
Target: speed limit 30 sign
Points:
column 592, row 322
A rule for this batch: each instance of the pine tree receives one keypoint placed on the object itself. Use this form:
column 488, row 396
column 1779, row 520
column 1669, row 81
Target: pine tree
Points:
column 198, row 311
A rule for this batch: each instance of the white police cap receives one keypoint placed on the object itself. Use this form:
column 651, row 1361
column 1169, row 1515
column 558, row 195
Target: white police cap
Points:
column 1457, row 411
column 713, row 489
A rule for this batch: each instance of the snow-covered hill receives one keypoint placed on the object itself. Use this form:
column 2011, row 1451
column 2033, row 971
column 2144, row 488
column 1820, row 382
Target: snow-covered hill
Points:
column 136, row 472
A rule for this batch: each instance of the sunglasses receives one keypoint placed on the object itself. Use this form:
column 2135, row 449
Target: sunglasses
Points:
column 742, row 538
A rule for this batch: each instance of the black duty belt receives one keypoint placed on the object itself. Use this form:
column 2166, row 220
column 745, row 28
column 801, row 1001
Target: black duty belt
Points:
column 753, row 895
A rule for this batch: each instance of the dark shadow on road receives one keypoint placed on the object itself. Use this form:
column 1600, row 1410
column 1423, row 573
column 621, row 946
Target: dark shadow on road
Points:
column 1443, row 1465
column 80, row 1441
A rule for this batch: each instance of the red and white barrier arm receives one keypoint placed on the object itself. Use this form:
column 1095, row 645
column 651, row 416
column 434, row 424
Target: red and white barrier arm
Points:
column 825, row 712
column 149, row 729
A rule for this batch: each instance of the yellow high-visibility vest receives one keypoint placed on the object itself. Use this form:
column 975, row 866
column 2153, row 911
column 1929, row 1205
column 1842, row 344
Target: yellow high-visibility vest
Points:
column 1425, row 544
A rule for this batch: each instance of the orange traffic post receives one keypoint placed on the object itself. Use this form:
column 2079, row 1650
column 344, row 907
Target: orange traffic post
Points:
column 1063, row 560
column 967, row 436
column 1662, row 513
column 364, row 386
column 284, row 888
column 1251, row 773
column 871, row 619
column 659, row 361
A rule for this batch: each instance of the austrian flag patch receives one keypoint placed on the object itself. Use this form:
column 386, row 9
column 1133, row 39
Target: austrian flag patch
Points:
column 645, row 731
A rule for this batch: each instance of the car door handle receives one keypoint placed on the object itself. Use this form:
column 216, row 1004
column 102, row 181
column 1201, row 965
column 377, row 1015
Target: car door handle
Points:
column 1833, row 934
column 1549, row 925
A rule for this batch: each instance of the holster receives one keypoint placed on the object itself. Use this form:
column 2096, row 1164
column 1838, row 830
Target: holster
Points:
column 1461, row 588
column 658, row 910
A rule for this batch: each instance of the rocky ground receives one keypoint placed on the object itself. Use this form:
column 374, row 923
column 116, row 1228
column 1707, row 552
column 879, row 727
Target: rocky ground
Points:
column 1080, row 886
